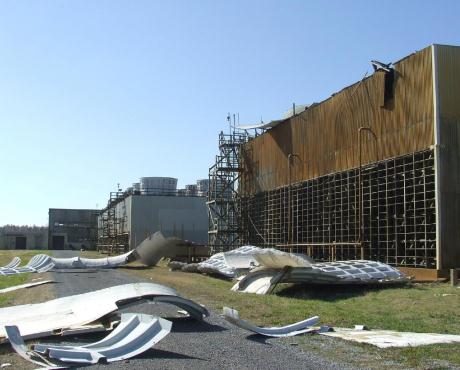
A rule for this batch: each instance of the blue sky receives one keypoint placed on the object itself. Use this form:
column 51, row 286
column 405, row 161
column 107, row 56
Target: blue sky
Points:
column 95, row 93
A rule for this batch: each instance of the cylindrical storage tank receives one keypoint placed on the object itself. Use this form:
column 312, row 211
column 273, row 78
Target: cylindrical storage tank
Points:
column 158, row 185
column 136, row 188
column 203, row 187
column 191, row 190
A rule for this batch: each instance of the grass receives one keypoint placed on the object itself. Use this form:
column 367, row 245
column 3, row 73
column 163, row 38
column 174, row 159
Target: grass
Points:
column 6, row 256
column 415, row 307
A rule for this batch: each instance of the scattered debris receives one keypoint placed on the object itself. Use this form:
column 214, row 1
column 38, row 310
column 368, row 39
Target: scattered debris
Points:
column 38, row 263
column 15, row 262
column 135, row 334
column 17, row 342
column 29, row 285
column 74, row 312
column 388, row 338
column 275, row 259
column 301, row 327
column 262, row 280
column 6, row 364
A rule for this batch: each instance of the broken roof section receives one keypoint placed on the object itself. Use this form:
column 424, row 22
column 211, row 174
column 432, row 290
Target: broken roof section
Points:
column 57, row 315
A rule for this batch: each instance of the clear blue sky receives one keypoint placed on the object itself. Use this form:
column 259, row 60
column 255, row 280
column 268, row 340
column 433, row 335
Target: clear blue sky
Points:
column 93, row 93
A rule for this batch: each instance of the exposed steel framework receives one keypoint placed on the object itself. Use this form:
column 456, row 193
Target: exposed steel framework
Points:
column 223, row 198
column 398, row 214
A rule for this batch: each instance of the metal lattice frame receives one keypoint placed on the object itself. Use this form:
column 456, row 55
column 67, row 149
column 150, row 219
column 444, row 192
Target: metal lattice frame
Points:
column 223, row 200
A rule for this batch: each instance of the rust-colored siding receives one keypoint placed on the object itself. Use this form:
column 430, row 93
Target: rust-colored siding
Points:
column 325, row 136
column 448, row 97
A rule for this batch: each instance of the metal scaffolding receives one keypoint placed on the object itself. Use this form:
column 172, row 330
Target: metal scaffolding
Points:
column 223, row 199
column 112, row 231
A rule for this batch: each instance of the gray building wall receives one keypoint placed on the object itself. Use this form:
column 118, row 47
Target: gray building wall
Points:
column 72, row 228
column 184, row 217
column 33, row 240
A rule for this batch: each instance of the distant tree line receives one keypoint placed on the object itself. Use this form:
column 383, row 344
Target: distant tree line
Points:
column 5, row 229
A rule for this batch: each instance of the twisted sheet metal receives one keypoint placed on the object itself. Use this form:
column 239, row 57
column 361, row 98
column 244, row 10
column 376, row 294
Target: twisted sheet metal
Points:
column 61, row 314
column 297, row 328
column 38, row 263
column 262, row 280
column 135, row 334
column 15, row 262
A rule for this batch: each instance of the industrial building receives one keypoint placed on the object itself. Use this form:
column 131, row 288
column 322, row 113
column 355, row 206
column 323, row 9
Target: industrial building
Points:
column 72, row 228
column 23, row 237
column 154, row 204
column 373, row 172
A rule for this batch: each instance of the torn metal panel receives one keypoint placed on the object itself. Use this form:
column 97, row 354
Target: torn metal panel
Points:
column 154, row 248
column 135, row 334
column 41, row 319
column 87, row 263
column 15, row 262
column 259, row 281
column 29, row 285
column 263, row 280
column 17, row 342
column 301, row 327
column 38, row 263
column 216, row 265
column 273, row 258
column 388, row 338
column 242, row 258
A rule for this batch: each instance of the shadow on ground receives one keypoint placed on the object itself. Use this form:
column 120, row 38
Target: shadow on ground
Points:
column 331, row 292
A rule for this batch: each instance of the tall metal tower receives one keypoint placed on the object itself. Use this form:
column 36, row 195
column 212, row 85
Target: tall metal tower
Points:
column 223, row 200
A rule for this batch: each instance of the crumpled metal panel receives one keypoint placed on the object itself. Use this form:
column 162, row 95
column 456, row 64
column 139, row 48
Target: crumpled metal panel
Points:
column 15, row 262
column 242, row 258
column 38, row 263
column 273, row 258
column 388, row 338
column 262, row 281
column 86, row 263
column 135, row 334
column 297, row 328
column 17, row 342
column 48, row 318
column 228, row 264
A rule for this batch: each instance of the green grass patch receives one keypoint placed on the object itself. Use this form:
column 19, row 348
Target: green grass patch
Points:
column 11, row 280
column 429, row 308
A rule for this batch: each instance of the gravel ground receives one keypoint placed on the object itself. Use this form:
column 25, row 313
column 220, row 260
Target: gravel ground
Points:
column 211, row 344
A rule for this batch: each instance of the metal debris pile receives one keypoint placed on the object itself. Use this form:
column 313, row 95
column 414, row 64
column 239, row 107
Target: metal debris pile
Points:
column 261, row 270
column 89, row 312
column 360, row 334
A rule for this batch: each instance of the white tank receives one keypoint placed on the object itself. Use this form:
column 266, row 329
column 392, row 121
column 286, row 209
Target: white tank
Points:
column 158, row 185
column 191, row 190
column 136, row 188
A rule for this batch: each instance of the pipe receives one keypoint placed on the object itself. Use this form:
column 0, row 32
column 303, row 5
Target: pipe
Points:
column 290, row 229
column 360, row 188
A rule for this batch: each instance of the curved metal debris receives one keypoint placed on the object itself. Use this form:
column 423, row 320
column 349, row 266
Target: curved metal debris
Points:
column 17, row 342
column 84, row 263
column 135, row 334
column 273, row 258
column 300, row 327
column 57, row 315
column 15, row 262
column 38, row 263
column 262, row 281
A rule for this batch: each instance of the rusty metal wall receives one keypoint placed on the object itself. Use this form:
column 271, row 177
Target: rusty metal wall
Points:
column 448, row 96
column 325, row 136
